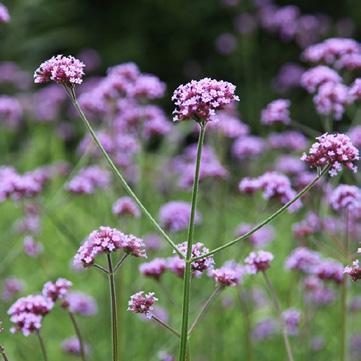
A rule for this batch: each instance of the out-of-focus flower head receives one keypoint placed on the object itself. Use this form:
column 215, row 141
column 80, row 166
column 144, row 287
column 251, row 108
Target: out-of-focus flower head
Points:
column 313, row 78
column 56, row 290
column 258, row 261
column 276, row 112
column 154, row 268
column 12, row 286
column 260, row 238
column 126, row 206
column 80, row 303
column 303, row 259
column 71, row 346
column 4, row 14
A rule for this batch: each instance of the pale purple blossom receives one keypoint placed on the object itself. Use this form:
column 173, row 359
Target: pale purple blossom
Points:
column 154, row 268
column 345, row 197
column 56, row 290
column 199, row 100
column 310, row 225
column 258, row 261
column 71, row 346
column 276, row 112
column 335, row 150
column 248, row 147
column 313, row 78
column 229, row 275
column 288, row 77
column 10, row 111
column 260, row 238
column 174, row 216
column 80, row 303
column 291, row 140
column 229, row 125
column 226, row 43
column 31, row 247
column 303, row 259
column 355, row 89
column 148, row 86
column 292, row 319
column 142, row 303
column 330, row 270
column 264, row 329
column 12, row 286
column 289, row 164
column 64, row 70
column 127, row 207
column 355, row 135
column 4, row 14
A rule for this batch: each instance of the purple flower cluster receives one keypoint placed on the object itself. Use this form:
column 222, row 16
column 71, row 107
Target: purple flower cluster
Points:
column 4, row 14
column 260, row 238
column 127, row 207
column 273, row 185
column 174, row 216
column 71, row 346
column 288, row 77
column 291, row 140
column 198, row 250
column 56, row 290
column 334, row 150
column 64, row 70
column 80, row 303
column 310, row 225
column 355, row 89
column 107, row 240
column 303, row 259
column 345, row 197
column 292, row 319
column 12, row 286
column 354, row 271
column 248, row 147
column 229, row 275
column 154, row 268
column 10, row 111
column 330, row 270
column 142, row 303
column 276, row 112
column 313, row 78
column 229, row 125
column 355, row 136
column 258, row 261
column 31, row 247
column 27, row 313
column 88, row 180
column 199, row 100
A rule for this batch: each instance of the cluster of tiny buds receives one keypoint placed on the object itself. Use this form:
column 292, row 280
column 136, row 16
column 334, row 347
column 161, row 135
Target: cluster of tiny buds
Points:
column 142, row 303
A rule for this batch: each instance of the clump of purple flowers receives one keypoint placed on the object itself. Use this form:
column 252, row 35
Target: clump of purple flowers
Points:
column 200, row 99
column 258, row 261
column 154, row 268
column 229, row 275
column 174, row 216
column 4, row 14
column 334, row 150
column 276, row 112
column 64, row 70
column 71, row 346
column 142, row 303
column 126, row 206
column 56, row 290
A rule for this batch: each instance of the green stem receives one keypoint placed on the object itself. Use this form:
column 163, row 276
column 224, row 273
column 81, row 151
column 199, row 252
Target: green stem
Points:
column 188, row 262
column 205, row 307
column 343, row 348
column 78, row 335
column 3, row 354
column 277, row 307
column 165, row 325
column 120, row 262
column 122, row 180
column 42, row 346
column 268, row 219
column 113, row 305
column 247, row 326
column 100, row 268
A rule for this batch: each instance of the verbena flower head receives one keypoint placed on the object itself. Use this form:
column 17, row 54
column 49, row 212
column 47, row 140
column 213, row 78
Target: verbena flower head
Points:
column 4, row 14
column 199, row 100
column 335, row 150
column 174, row 216
column 80, row 303
column 248, row 147
column 289, row 164
column 71, row 346
column 229, row 125
column 264, row 329
column 27, row 313
column 154, row 268
column 276, row 112
column 10, row 111
column 260, row 238
column 102, row 240
column 229, row 275
column 289, row 140
column 308, row 226
column 302, row 259
column 330, row 270
column 315, row 77
column 31, row 247
column 64, row 70
column 133, row 245
column 331, row 50
column 355, row 90
column 259, row 261
column 126, row 206
column 198, row 249
column 331, row 99
column 291, row 318
column 12, row 286
column 354, row 271
column 56, row 290
column 355, row 136
column 142, row 303
column 345, row 197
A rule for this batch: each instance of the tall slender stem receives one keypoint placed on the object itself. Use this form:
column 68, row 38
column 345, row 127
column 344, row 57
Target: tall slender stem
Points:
column 205, row 307
column 247, row 326
column 165, row 325
column 42, row 346
column 343, row 340
column 183, row 347
column 3, row 354
column 78, row 335
column 113, row 305
column 116, row 171
column 268, row 219
column 277, row 307
column 120, row 262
